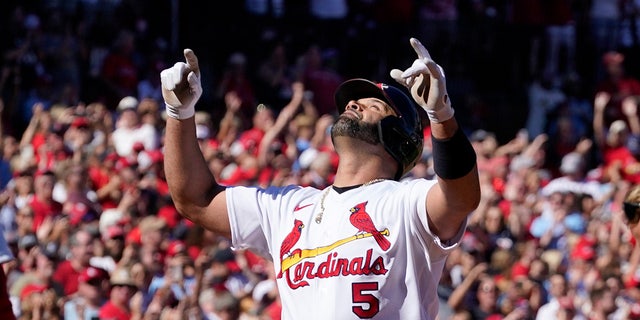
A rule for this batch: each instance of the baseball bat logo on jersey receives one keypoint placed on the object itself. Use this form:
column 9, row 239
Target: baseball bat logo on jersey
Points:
column 362, row 221
column 295, row 270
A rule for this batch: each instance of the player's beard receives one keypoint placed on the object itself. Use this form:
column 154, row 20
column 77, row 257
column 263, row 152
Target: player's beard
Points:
column 354, row 128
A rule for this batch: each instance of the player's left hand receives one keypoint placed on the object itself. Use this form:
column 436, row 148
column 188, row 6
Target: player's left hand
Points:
column 426, row 81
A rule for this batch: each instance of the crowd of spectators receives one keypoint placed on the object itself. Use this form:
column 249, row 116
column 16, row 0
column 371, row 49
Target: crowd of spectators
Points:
column 85, row 206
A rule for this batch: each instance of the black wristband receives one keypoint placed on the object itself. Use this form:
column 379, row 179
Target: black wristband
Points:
column 453, row 157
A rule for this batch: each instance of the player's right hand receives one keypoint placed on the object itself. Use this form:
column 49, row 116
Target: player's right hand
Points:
column 181, row 87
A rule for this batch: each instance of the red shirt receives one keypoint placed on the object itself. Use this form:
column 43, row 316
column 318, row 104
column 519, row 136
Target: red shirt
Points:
column 624, row 157
column 42, row 209
column 110, row 312
column 66, row 275
column 250, row 140
column 39, row 138
column 100, row 178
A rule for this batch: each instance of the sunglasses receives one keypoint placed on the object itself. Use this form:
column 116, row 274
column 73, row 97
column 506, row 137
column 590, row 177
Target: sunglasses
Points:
column 631, row 212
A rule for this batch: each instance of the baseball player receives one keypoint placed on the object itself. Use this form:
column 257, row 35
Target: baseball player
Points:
column 368, row 247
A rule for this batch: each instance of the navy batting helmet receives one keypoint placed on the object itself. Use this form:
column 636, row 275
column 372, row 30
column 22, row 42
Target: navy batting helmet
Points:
column 401, row 135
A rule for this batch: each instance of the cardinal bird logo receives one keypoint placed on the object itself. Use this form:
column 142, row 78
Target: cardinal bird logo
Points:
column 291, row 239
column 362, row 221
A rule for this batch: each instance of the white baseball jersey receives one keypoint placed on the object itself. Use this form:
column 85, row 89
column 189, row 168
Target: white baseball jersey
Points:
column 372, row 256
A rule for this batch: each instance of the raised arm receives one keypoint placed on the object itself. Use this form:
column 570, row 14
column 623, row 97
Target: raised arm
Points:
column 599, row 131
column 286, row 115
column 630, row 109
column 192, row 186
column 457, row 193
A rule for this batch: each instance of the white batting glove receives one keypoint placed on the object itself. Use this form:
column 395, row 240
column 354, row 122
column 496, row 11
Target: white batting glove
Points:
column 426, row 81
column 181, row 87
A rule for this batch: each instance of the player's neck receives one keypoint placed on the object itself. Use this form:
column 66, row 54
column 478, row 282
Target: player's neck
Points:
column 356, row 171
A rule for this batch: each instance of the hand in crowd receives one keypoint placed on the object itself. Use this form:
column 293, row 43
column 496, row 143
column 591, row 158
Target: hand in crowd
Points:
column 600, row 101
column 630, row 106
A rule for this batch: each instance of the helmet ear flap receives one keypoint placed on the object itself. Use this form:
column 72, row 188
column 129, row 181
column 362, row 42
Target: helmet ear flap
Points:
column 403, row 143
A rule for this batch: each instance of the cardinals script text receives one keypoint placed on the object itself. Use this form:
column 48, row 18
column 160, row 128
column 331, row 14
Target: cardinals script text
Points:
column 334, row 267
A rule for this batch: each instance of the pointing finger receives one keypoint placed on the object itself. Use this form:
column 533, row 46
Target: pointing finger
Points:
column 420, row 49
column 192, row 61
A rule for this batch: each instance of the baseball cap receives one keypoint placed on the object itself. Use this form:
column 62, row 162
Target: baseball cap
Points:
column 92, row 274
column 27, row 241
column 583, row 252
column 127, row 103
column 176, row 247
column 572, row 162
column 113, row 232
column 32, row 288
column 109, row 217
column 122, row 277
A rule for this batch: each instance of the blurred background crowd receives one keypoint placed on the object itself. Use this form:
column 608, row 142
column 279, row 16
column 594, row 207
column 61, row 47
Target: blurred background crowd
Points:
column 547, row 91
